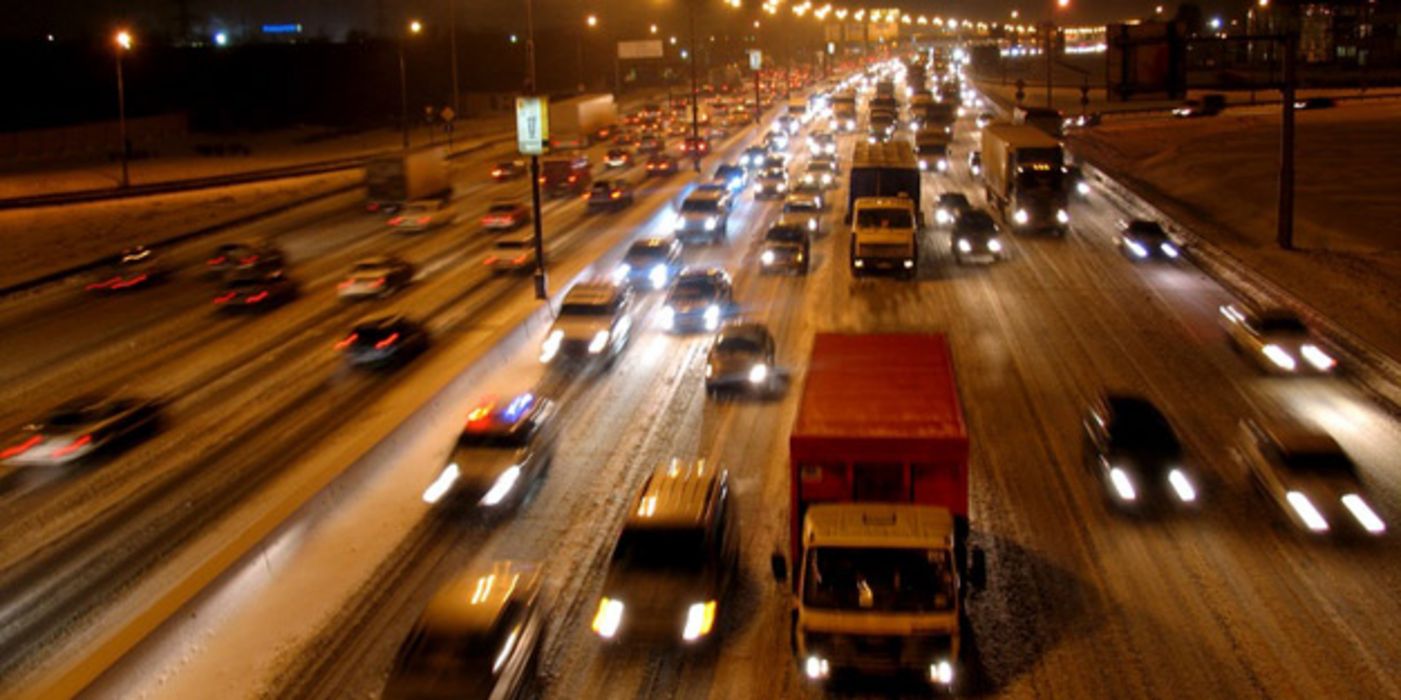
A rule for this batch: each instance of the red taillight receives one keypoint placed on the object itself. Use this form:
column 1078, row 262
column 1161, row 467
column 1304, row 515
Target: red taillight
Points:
column 248, row 260
column 72, row 447
column 496, row 173
column 347, row 341
column 256, row 297
column 423, row 220
column 542, row 180
column 490, row 260
column 105, row 283
column 372, row 206
column 123, row 284
column 396, row 221
column 345, row 285
column 572, row 178
column 217, row 261
column 225, row 298
column 521, row 259
column 22, row 447
column 377, row 283
column 393, row 338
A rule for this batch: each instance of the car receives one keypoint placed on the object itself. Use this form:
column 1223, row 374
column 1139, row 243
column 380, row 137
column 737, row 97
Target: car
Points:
column 1142, row 239
column 661, row 165
column 809, row 209
column 611, row 194
column 1310, row 103
column 242, row 255
column 253, row 292
column 976, row 238
column 772, row 183
column 752, row 158
column 1076, row 176
column 376, row 277
column 507, row 170
column 513, row 252
column 604, row 133
column 650, row 144
column 950, row 206
column 698, row 300
column 134, row 268
column 1132, row 449
column 1276, row 341
column 678, row 127
column 822, row 143
column 704, row 216
column 695, row 146
column 732, row 177
column 984, row 118
column 1209, row 106
column 975, row 163
column 676, row 559
column 1308, row 478
column 506, row 216
column 81, row 428
column 594, row 325
column 623, row 139
column 422, row 215
column 775, row 141
column 501, row 452
column 481, row 635
column 787, row 245
column 384, row 341
column 617, row 158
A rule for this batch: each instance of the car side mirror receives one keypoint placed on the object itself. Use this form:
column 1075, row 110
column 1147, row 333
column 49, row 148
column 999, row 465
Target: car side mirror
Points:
column 779, row 564
column 977, row 572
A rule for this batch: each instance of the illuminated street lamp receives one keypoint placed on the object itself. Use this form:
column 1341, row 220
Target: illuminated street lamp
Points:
column 123, row 42
column 590, row 22
column 414, row 29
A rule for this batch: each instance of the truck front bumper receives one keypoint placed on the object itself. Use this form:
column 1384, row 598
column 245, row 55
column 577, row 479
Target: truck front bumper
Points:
column 931, row 657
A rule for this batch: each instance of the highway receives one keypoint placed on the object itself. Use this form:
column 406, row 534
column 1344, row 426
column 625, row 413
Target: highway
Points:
column 1082, row 601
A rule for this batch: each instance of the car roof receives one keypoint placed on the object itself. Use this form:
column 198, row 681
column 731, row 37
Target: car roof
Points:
column 975, row 218
column 381, row 323
column 953, row 197
column 708, row 272
column 651, row 242
column 593, row 292
column 473, row 600
column 744, row 329
column 678, row 493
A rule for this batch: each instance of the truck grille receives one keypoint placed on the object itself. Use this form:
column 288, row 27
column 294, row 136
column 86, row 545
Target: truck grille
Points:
column 882, row 653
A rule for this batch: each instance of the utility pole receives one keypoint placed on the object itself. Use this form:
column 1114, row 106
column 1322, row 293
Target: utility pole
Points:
column 695, row 92
column 452, row 48
column 541, row 291
column 1285, row 217
column 123, row 45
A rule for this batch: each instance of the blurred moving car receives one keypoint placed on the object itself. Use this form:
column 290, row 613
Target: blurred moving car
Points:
column 480, row 636
column 950, row 206
column 675, row 560
column 650, row 263
column 1308, row 477
column 594, row 325
column 809, row 209
column 512, row 252
column 732, row 177
column 822, row 173
column 611, row 194
column 822, row 143
column 1141, row 239
column 506, row 216
column 1275, row 340
column 704, row 216
column 787, row 245
column 651, row 144
column 753, row 157
column 976, row 238
column 975, row 163
column 255, row 292
column 80, row 428
column 501, row 452
column 661, row 164
column 243, row 255
column 617, row 158
column 772, row 183
column 1209, row 106
column 741, row 359
column 1132, row 449
column 696, row 146
column 698, row 300
column 507, row 169
column 384, row 341
column 1315, row 103
column 422, row 215
column 376, row 277
column 984, row 118
column 133, row 268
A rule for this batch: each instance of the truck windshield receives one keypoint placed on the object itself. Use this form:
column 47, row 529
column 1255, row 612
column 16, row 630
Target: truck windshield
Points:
column 884, row 218
column 883, row 580
column 1032, row 178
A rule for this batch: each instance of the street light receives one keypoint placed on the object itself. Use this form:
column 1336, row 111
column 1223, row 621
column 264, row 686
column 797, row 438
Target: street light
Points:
column 415, row 28
column 123, row 41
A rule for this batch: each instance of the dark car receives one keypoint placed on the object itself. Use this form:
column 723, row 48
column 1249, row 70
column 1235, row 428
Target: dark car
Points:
column 661, row 165
column 611, row 194
column 232, row 256
column 753, row 157
column 1141, row 239
column 675, row 561
column 787, row 245
column 254, row 293
column 976, row 238
column 741, row 359
column 650, row 144
column 698, row 300
column 376, row 277
column 1132, row 449
column 507, row 169
column 617, row 158
column 695, row 146
column 650, row 263
column 1315, row 103
column 134, row 268
column 79, row 429
column 384, row 341
column 731, row 177
column 480, row 636
column 501, row 452
column 950, row 206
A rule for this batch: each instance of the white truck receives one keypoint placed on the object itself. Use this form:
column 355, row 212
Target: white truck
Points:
column 1024, row 171
column 574, row 122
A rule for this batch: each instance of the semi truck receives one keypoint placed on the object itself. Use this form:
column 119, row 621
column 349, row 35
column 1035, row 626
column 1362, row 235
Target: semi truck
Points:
column 574, row 121
column 878, row 509
column 391, row 181
column 884, row 169
column 1044, row 118
column 1024, row 172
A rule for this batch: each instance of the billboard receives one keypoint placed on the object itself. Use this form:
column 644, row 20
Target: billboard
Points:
column 650, row 48
column 1146, row 60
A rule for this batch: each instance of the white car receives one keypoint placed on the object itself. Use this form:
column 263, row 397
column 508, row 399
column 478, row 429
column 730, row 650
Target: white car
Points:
column 1304, row 473
column 594, row 324
column 810, row 209
column 1276, row 341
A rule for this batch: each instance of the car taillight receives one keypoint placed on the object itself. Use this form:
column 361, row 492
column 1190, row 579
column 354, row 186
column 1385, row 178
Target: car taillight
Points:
column 225, row 298
column 423, row 220
column 72, row 447
column 248, row 260
column 372, row 206
column 104, row 284
column 378, row 283
column 496, row 173
column 122, row 284
column 542, row 180
column 345, row 285
column 396, row 221
column 393, row 338
column 572, row 178
column 216, row 261
column 520, row 260
column 345, row 343
column 616, row 194
column 256, row 297
column 16, row 450
column 490, row 260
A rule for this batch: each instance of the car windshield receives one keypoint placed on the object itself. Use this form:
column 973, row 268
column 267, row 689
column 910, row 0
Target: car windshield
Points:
column 1032, row 178
column 1139, row 426
column 953, row 201
column 887, row 580
column 365, row 335
column 774, row 174
column 1147, row 229
column 785, row 234
column 495, row 433
column 705, row 206
column 642, row 255
column 502, row 208
column 975, row 223
column 693, row 288
column 661, row 549
column 801, row 206
column 738, row 343
column 1319, row 461
column 512, row 244
column 69, row 417
column 369, row 268
column 434, row 663
column 727, row 171
column 884, row 218
column 1281, row 324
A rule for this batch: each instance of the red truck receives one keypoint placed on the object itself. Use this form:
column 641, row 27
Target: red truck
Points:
column 879, row 510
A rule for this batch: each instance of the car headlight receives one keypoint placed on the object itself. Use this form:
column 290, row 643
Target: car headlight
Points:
column 1303, row 507
column 812, row 224
column 1062, row 216
column 1021, row 217
column 503, row 486
column 1320, row 360
column 712, row 317
column 859, row 263
column 1182, row 486
column 909, row 264
column 710, row 223
column 782, row 187
column 943, row 165
column 700, row 617
column 816, row 668
column 1123, row 486
column 766, row 257
column 1364, row 514
column 994, row 245
column 657, row 276
column 1136, row 248
column 964, row 246
column 668, row 317
column 709, row 371
column 1083, row 188
column 943, row 216
column 923, row 165
column 680, row 223
column 442, row 484
column 1280, row 357
column 600, row 341
column 621, row 272
column 608, row 618
column 758, row 374
column 1168, row 249
column 550, row 347
column 941, row 672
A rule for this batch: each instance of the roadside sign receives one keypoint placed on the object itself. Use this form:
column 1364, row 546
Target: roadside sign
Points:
column 447, row 114
column 650, row 48
column 532, row 124
column 756, row 59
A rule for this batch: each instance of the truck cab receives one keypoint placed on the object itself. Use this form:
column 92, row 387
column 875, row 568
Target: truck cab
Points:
column 884, row 236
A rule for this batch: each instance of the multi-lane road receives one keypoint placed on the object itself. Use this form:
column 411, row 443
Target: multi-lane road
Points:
column 1081, row 602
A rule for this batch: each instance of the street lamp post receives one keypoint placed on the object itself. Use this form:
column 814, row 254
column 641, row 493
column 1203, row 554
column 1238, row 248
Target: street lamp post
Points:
column 1050, row 30
column 695, row 91
column 590, row 22
column 452, row 49
column 541, row 290
column 123, row 40
column 415, row 27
